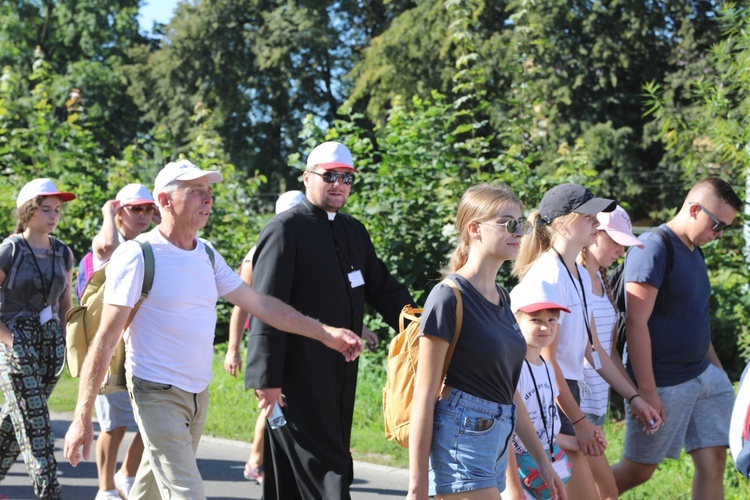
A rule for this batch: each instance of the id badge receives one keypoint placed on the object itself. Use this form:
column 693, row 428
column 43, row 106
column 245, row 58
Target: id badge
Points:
column 45, row 315
column 356, row 279
column 597, row 361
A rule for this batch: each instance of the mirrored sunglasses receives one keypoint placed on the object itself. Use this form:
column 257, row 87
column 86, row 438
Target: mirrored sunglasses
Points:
column 520, row 226
column 139, row 209
column 331, row 177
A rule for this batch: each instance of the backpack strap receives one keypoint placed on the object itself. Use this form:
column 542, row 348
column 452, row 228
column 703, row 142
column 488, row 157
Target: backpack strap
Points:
column 148, row 271
column 148, row 278
column 210, row 252
column 668, row 266
column 456, row 332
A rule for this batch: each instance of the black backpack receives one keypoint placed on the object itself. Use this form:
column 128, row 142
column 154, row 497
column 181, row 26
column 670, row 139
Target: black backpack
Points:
column 617, row 282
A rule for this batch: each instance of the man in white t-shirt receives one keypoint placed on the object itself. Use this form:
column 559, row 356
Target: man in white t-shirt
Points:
column 169, row 343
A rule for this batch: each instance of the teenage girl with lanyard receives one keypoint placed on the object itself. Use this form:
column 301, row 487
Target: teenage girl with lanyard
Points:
column 459, row 447
column 613, row 235
column 36, row 274
column 564, row 224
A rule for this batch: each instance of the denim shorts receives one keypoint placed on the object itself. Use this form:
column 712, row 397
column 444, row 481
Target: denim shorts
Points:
column 470, row 441
column 114, row 410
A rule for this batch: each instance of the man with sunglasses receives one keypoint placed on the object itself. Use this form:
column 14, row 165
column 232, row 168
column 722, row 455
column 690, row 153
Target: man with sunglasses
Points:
column 321, row 262
column 670, row 354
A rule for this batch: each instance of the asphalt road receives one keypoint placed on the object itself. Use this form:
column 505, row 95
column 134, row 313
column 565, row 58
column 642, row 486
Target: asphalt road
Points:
column 220, row 461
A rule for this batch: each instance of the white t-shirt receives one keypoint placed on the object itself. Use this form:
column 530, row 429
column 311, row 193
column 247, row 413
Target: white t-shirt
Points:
column 546, row 387
column 595, row 399
column 170, row 339
column 572, row 337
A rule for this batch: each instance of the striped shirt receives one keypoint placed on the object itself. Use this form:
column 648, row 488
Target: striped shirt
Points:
column 595, row 401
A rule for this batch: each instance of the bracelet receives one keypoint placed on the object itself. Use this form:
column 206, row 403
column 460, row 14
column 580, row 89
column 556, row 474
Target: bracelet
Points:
column 574, row 423
column 631, row 398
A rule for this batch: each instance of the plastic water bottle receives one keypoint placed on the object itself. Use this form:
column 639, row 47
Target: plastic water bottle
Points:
column 277, row 418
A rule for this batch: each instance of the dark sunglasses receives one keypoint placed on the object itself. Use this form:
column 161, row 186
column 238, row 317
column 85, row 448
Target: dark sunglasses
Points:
column 520, row 226
column 332, row 177
column 139, row 209
column 719, row 225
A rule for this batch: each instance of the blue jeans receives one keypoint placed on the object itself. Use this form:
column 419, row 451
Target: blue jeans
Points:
column 470, row 439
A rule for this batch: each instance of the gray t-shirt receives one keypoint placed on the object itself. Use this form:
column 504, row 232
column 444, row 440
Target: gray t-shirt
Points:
column 490, row 349
column 22, row 291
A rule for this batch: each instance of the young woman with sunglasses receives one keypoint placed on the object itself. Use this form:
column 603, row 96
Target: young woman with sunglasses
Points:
column 564, row 224
column 36, row 274
column 128, row 215
column 459, row 447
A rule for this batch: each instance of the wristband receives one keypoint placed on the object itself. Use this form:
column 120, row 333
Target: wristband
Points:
column 631, row 398
column 574, row 423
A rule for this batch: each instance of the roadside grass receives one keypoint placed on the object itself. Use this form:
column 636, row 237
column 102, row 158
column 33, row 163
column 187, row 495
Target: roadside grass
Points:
column 233, row 411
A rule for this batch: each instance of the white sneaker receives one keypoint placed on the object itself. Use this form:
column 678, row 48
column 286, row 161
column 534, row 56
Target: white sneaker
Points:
column 123, row 484
column 107, row 495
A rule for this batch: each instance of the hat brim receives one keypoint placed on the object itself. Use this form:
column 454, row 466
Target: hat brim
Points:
column 64, row 196
column 211, row 175
column 132, row 203
column 596, row 205
column 624, row 239
column 540, row 306
column 332, row 165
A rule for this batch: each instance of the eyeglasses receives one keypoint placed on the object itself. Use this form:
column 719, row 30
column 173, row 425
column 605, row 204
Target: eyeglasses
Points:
column 139, row 209
column 719, row 225
column 513, row 226
column 332, row 177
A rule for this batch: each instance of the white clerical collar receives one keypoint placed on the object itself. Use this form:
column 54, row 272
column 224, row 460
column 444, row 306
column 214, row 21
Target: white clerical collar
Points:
column 331, row 216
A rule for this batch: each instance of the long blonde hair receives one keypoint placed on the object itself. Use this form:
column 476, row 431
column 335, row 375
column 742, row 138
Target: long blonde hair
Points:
column 479, row 203
column 540, row 240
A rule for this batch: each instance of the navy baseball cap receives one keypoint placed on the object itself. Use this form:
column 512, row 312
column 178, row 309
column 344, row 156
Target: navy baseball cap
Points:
column 566, row 198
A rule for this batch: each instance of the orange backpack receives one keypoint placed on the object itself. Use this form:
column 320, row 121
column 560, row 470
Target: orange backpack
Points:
column 401, row 370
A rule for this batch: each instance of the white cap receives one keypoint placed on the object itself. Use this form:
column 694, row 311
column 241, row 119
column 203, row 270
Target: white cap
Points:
column 618, row 227
column 183, row 170
column 288, row 200
column 531, row 295
column 41, row 187
column 330, row 155
column 134, row 194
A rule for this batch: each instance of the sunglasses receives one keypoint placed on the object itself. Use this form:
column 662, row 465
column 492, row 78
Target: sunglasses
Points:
column 332, row 177
column 520, row 226
column 139, row 209
column 719, row 225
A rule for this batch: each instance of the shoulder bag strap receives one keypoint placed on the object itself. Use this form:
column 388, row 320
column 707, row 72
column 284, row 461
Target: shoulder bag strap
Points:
column 456, row 333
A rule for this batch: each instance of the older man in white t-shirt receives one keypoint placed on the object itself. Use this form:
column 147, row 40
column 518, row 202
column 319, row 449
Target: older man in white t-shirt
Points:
column 169, row 344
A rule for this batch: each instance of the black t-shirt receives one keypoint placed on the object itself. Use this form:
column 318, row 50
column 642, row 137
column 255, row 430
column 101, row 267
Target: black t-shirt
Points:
column 490, row 349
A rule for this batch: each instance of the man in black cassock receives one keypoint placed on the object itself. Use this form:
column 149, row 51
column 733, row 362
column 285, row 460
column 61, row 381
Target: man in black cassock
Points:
column 323, row 263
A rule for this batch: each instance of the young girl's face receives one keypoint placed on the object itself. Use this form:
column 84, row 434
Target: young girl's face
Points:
column 583, row 229
column 47, row 215
column 539, row 328
column 496, row 237
column 606, row 250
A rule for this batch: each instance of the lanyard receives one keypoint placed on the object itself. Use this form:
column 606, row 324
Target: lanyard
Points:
column 582, row 296
column 542, row 409
column 46, row 293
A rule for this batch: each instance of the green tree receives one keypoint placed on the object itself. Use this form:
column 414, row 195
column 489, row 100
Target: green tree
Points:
column 261, row 66
column 86, row 44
